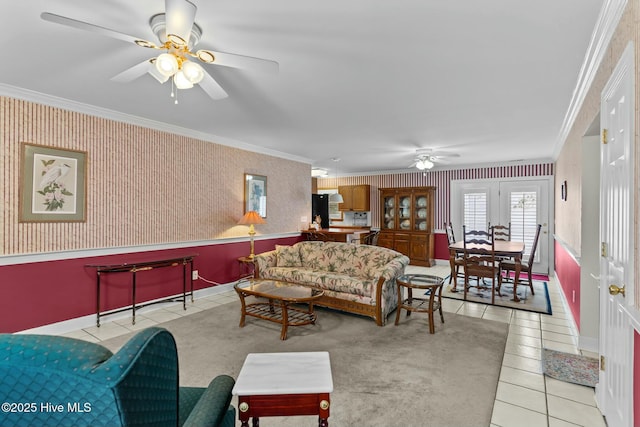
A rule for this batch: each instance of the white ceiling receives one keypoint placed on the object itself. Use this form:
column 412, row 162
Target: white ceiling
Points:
column 366, row 81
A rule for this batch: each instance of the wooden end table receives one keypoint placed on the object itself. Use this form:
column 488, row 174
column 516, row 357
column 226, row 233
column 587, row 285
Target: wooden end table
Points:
column 284, row 384
column 423, row 283
column 280, row 296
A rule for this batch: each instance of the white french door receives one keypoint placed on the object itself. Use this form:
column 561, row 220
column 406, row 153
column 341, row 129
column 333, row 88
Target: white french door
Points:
column 522, row 202
column 614, row 390
column 524, row 205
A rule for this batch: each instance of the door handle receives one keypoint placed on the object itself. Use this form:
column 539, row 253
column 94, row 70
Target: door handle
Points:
column 615, row 290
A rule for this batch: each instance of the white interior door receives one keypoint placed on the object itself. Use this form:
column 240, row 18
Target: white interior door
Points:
column 614, row 390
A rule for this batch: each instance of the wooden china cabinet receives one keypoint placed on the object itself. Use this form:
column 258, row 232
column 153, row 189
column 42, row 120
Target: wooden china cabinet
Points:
column 406, row 222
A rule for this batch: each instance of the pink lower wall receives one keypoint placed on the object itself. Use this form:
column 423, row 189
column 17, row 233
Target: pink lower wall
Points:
column 42, row 293
column 568, row 275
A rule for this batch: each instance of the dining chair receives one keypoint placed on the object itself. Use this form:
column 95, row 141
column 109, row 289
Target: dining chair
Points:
column 458, row 260
column 509, row 265
column 480, row 260
column 501, row 232
column 371, row 238
column 319, row 236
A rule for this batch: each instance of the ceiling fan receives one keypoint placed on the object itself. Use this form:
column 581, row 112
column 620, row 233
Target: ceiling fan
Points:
column 178, row 34
column 426, row 158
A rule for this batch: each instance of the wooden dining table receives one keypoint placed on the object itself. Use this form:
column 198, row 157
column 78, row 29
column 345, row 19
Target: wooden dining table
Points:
column 501, row 248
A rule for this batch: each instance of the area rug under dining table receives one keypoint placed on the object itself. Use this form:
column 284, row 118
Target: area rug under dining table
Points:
column 383, row 376
column 538, row 302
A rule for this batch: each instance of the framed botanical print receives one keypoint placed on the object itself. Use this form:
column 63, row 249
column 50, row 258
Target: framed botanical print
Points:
column 255, row 194
column 53, row 184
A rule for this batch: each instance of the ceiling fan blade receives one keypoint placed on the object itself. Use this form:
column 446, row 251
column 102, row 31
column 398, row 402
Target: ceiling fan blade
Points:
column 238, row 61
column 180, row 15
column 74, row 23
column 212, row 88
column 134, row 72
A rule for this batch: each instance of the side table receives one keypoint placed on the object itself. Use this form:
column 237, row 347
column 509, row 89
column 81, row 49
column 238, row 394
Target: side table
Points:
column 284, row 384
column 426, row 284
column 247, row 267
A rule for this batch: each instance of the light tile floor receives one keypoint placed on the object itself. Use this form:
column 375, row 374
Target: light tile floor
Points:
column 524, row 397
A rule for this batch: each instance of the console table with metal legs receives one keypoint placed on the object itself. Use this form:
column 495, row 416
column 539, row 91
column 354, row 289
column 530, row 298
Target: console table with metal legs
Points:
column 134, row 268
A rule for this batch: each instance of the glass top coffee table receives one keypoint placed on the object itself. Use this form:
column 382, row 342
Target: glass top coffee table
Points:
column 285, row 302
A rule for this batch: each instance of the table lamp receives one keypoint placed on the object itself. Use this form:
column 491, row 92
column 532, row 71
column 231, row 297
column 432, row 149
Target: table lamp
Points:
column 250, row 218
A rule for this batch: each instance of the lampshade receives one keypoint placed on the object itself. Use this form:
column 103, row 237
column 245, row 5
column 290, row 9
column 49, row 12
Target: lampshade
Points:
column 336, row 198
column 251, row 217
column 181, row 80
column 424, row 164
column 167, row 64
column 192, row 71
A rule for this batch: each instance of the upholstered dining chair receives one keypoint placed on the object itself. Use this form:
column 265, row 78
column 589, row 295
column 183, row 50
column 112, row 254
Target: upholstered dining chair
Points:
column 480, row 260
column 458, row 261
column 61, row 381
column 526, row 265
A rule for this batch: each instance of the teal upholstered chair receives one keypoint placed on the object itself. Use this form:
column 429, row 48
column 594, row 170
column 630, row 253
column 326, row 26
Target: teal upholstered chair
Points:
column 58, row 381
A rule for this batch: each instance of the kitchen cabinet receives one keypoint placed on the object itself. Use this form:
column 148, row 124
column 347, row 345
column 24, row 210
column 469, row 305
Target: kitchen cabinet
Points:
column 406, row 222
column 357, row 198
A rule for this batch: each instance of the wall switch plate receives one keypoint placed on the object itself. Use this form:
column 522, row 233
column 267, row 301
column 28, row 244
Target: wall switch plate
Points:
column 303, row 219
column 194, row 275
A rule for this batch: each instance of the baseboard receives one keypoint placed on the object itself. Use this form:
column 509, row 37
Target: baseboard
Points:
column 88, row 321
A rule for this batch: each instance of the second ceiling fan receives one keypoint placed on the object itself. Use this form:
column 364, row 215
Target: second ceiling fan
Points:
column 178, row 34
column 426, row 158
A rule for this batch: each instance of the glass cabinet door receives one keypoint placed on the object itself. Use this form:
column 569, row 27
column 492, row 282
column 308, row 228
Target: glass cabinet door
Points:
column 421, row 209
column 389, row 213
column 404, row 212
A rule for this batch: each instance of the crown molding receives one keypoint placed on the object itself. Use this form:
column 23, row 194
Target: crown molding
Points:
column 78, row 107
column 608, row 20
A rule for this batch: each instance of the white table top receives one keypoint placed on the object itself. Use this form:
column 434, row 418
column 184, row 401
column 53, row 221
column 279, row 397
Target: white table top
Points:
column 285, row 373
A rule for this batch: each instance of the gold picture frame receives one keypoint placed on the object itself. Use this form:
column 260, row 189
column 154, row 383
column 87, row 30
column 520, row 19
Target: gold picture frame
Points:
column 255, row 194
column 53, row 184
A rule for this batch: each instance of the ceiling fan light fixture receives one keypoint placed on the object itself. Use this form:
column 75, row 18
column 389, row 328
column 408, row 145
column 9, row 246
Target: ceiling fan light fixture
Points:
column 193, row 71
column 423, row 164
column 161, row 78
column 167, row 64
column 181, row 81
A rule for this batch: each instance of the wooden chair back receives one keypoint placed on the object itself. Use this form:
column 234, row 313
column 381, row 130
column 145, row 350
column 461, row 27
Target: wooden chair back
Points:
column 534, row 246
column 479, row 258
column 451, row 238
column 501, row 232
column 371, row 238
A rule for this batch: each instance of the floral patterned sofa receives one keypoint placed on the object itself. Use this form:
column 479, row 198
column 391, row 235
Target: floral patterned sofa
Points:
column 359, row 279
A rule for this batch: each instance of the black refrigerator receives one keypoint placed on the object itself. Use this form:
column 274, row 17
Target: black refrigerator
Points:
column 320, row 206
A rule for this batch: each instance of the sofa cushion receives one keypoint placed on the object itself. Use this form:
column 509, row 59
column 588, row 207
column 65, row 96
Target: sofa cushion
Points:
column 363, row 261
column 288, row 256
column 323, row 280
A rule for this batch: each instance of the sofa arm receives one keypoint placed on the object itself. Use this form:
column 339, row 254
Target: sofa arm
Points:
column 263, row 261
column 213, row 404
column 395, row 268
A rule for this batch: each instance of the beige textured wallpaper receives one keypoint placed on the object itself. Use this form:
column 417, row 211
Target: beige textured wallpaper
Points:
column 143, row 186
column 569, row 164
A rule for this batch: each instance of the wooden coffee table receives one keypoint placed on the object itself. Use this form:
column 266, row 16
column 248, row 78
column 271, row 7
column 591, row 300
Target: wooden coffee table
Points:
column 284, row 384
column 279, row 307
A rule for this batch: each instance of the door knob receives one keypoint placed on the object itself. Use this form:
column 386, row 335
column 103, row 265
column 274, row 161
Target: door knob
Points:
column 615, row 290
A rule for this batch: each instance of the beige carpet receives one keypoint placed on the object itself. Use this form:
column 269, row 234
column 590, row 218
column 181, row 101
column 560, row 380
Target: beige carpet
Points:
column 383, row 376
